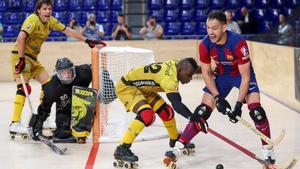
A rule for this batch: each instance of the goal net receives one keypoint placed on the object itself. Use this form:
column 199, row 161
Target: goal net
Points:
column 112, row 120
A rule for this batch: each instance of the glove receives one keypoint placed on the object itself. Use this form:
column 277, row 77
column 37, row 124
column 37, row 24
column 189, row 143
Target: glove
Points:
column 36, row 126
column 222, row 105
column 20, row 65
column 92, row 43
column 236, row 112
column 199, row 122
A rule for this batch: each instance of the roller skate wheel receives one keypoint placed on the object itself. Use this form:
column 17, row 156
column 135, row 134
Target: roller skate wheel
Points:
column 24, row 137
column 185, row 152
column 116, row 164
column 126, row 165
column 135, row 165
column 12, row 136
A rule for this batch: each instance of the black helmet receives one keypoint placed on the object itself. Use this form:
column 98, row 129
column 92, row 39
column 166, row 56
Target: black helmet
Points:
column 65, row 70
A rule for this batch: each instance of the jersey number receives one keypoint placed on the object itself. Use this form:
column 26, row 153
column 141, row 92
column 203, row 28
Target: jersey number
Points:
column 153, row 68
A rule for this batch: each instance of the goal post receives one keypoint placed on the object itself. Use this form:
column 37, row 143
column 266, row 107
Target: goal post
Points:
column 109, row 64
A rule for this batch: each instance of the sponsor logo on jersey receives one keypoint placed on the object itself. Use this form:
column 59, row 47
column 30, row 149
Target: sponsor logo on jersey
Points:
column 138, row 83
column 28, row 26
column 245, row 52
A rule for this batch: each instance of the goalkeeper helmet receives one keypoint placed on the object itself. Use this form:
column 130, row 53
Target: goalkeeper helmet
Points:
column 65, row 70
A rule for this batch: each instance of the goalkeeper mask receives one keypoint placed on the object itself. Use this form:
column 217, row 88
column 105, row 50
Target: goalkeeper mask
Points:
column 65, row 70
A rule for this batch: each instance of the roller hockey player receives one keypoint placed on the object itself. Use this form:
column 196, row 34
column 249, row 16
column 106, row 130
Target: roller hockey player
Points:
column 230, row 53
column 138, row 91
column 59, row 90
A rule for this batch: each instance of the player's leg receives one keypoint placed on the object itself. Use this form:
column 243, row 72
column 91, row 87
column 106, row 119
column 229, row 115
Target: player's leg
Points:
column 260, row 119
column 83, row 109
column 63, row 132
column 20, row 97
column 204, row 110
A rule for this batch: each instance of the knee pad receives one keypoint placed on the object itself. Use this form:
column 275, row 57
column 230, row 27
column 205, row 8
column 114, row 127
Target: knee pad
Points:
column 20, row 89
column 165, row 112
column 258, row 114
column 146, row 116
column 63, row 121
column 204, row 111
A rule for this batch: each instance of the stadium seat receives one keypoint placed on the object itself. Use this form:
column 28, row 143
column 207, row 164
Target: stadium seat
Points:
column 155, row 4
column 3, row 5
column 1, row 17
column 61, row 16
column 262, row 3
column 11, row 30
column 75, row 5
column 171, row 15
column 13, row 18
column 201, row 4
column 185, row 4
column 272, row 14
column 56, row 34
column 102, row 16
column 187, row 28
column 114, row 15
column 103, row 4
column 291, row 3
column 200, row 15
column 288, row 11
column 248, row 3
column 29, row 5
column 216, row 4
column 158, row 14
column 259, row 14
column 74, row 14
column 89, row 5
column 107, row 28
column 15, row 5
column 264, row 26
column 171, row 28
column 170, row 4
column 276, row 3
column 231, row 4
column 201, row 28
column 185, row 15
column 59, row 5
column 26, row 14
column 116, row 4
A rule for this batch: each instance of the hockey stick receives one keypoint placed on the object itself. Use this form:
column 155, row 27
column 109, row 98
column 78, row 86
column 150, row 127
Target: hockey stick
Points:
column 43, row 139
column 250, row 154
column 271, row 142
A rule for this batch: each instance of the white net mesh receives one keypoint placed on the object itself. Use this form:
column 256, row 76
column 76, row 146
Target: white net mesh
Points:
column 114, row 62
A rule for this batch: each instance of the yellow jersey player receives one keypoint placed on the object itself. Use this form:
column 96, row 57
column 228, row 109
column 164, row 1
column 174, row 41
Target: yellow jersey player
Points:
column 138, row 91
column 24, row 57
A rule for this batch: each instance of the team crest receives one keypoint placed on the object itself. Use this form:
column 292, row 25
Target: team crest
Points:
column 229, row 55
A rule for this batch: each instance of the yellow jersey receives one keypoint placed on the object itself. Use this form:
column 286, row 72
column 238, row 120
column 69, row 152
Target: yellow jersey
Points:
column 156, row 77
column 37, row 32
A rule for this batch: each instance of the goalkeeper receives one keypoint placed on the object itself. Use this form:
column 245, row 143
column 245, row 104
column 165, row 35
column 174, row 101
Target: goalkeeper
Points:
column 24, row 58
column 59, row 90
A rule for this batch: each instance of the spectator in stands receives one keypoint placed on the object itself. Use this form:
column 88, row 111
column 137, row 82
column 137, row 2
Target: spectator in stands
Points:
column 285, row 32
column 247, row 21
column 121, row 31
column 73, row 24
column 1, row 32
column 152, row 30
column 92, row 29
column 231, row 24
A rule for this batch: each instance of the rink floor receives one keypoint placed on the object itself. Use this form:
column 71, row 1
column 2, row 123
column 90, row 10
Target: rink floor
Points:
column 210, row 150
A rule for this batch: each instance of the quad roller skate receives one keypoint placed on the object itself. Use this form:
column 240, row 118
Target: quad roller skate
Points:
column 17, row 129
column 124, row 157
column 269, row 155
column 171, row 156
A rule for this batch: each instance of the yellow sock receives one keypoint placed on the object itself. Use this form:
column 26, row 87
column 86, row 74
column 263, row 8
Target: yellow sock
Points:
column 171, row 128
column 18, row 107
column 134, row 129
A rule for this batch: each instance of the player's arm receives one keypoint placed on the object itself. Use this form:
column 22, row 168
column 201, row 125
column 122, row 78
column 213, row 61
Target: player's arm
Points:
column 244, row 70
column 21, row 52
column 208, row 78
column 178, row 106
column 92, row 43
